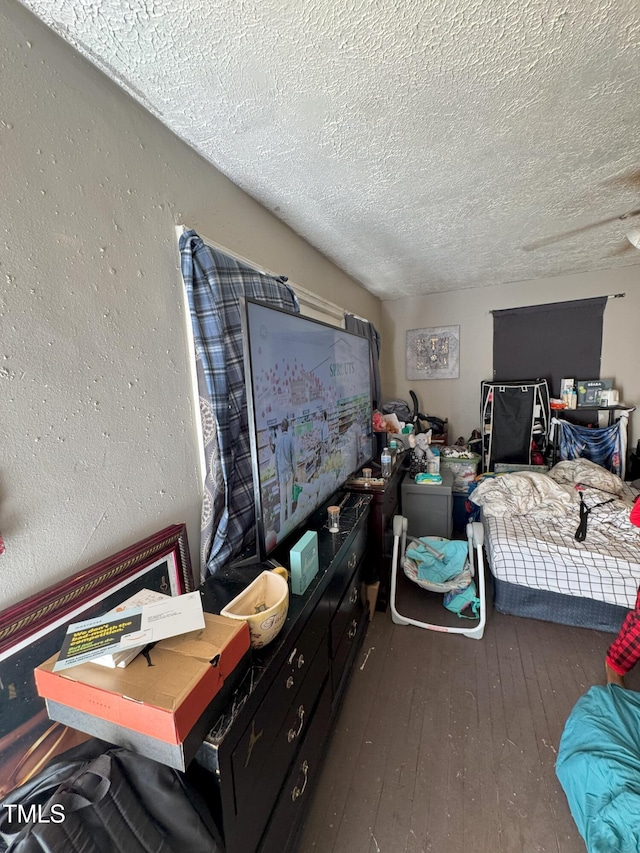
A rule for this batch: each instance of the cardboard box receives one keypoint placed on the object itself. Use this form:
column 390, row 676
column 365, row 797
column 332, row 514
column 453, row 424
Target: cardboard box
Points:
column 163, row 701
column 304, row 563
column 371, row 591
column 178, row 755
column 589, row 391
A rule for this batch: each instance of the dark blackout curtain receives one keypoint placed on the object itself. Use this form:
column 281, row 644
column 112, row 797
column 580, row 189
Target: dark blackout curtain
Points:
column 215, row 283
column 553, row 341
column 368, row 330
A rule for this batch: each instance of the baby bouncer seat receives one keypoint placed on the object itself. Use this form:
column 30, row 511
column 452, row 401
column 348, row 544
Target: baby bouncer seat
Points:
column 471, row 570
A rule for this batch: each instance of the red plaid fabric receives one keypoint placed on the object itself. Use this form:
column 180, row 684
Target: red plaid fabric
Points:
column 624, row 652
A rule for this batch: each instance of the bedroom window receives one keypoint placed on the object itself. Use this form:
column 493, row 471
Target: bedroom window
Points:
column 549, row 341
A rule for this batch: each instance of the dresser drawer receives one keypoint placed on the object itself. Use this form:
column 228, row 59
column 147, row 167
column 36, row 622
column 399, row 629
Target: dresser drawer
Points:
column 347, row 566
column 299, row 717
column 348, row 609
column 286, row 820
column 262, row 758
column 348, row 642
column 253, row 747
column 389, row 502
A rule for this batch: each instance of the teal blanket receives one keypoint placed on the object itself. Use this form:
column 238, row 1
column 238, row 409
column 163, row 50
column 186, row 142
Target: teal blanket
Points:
column 598, row 767
column 432, row 569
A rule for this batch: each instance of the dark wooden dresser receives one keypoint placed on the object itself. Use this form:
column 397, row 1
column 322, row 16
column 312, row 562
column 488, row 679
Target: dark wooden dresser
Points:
column 385, row 501
column 258, row 765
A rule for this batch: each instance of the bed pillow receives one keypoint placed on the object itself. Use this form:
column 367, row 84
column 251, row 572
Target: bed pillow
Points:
column 585, row 471
column 522, row 493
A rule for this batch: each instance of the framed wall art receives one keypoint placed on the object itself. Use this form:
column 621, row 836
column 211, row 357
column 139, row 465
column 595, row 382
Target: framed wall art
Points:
column 33, row 630
column 433, row 353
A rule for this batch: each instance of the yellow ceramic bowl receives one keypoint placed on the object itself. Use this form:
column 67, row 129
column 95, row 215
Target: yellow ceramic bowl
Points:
column 263, row 605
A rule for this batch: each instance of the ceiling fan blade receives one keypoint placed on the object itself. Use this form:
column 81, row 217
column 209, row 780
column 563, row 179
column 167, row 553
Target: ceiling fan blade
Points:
column 623, row 249
column 547, row 241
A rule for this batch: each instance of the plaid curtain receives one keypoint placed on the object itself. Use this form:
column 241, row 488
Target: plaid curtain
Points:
column 369, row 331
column 215, row 282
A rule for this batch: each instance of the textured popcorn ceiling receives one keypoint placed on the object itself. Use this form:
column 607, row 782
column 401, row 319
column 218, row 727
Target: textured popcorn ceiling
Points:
column 423, row 146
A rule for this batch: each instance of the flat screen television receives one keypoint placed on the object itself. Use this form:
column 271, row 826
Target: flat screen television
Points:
column 310, row 416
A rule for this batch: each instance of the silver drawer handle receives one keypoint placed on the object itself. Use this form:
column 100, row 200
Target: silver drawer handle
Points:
column 290, row 682
column 354, row 595
column 353, row 630
column 300, row 661
column 298, row 792
column 291, row 734
column 292, row 656
column 353, row 559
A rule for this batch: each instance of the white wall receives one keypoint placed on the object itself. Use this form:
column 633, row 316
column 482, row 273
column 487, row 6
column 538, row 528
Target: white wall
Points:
column 98, row 444
column 459, row 399
column 98, row 447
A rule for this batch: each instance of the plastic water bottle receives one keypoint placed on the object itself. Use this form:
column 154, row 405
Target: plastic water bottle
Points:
column 573, row 399
column 385, row 462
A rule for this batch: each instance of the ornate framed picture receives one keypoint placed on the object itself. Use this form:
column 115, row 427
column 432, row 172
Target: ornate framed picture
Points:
column 33, row 630
column 433, row 353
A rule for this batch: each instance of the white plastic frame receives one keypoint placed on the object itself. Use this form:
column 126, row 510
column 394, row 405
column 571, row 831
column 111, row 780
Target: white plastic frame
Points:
column 475, row 542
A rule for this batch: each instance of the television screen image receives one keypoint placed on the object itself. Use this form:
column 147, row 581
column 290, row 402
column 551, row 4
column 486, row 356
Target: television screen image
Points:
column 309, row 396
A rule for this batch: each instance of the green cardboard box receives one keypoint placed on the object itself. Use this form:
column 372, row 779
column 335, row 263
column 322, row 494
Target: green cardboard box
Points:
column 304, row 562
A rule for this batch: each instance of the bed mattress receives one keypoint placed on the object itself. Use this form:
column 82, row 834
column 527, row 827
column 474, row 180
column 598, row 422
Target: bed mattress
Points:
column 543, row 554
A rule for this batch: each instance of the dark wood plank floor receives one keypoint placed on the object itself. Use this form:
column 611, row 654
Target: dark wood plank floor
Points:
column 446, row 744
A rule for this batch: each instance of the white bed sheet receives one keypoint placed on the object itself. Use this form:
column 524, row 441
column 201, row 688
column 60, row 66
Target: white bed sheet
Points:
column 542, row 553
